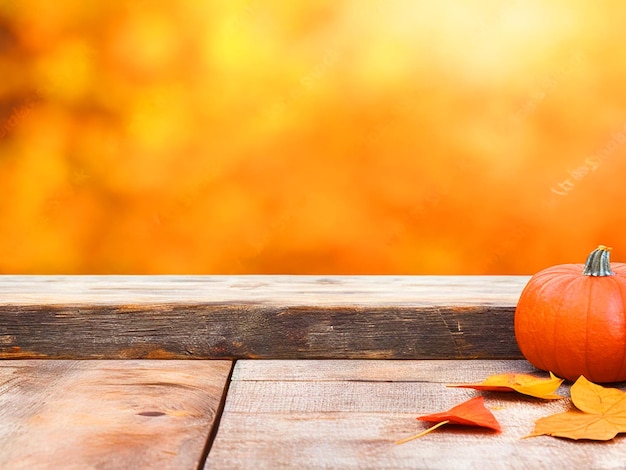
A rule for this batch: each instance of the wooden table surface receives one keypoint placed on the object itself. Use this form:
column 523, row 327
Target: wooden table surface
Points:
column 261, row 397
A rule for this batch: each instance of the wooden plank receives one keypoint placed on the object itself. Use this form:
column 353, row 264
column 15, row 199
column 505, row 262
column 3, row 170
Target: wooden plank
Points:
column 205, row 317
column 268, row 290
column 433, row 371
column 108, row 414
column 345, row 414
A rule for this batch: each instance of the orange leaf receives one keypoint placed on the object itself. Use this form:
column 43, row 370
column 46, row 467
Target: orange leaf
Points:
column 601, row 417
column 521, row 383
column 469, row 413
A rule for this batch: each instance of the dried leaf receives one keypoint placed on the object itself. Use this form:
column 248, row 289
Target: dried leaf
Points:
column 521, row 383
column 601, row 415
column 469, row 413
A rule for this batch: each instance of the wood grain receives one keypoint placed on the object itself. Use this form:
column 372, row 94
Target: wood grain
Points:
column 207, row 317
column 107, row 414
column 267, row 290
column 433, row 371
column 345, row 414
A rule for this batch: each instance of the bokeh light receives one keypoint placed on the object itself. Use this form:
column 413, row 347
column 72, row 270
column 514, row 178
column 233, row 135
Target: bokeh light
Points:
column 348, row 137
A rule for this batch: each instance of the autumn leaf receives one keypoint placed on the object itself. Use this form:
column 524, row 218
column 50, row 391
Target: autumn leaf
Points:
column 469, row 413
column 601, row 414
column 521, row 383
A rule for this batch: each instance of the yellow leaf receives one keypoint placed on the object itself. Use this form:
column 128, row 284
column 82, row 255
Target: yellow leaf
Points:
column 601, row 414
column 521, row 383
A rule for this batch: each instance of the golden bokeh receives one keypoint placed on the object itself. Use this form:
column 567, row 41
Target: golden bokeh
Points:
column 240, row 136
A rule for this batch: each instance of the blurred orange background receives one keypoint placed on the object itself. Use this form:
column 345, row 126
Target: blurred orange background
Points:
column 344, row 136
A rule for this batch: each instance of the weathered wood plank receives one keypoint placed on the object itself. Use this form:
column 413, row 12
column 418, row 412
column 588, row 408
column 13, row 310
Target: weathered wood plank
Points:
column 433, row 371
column 108, row 414
column 345, row 414
column 204, row 317
column 268, row 290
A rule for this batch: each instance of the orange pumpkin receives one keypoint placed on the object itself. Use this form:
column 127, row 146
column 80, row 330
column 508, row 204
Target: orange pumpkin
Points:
column 571, row 319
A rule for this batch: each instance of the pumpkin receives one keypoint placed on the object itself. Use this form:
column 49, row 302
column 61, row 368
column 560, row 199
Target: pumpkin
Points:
column 571, row 319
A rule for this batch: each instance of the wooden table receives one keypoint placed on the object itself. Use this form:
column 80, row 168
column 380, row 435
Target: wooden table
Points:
column 287, row 372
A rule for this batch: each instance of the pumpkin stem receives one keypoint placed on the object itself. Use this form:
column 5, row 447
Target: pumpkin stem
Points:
column 598, row 262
